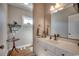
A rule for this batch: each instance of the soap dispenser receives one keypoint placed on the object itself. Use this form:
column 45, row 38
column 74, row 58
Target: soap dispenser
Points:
column 50, row 36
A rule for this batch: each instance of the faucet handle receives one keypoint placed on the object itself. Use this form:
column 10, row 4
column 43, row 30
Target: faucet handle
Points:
column 57, row 35
column 78, row 44
column 54, row 35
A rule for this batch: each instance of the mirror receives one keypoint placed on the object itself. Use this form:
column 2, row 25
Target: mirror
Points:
column 65, row 22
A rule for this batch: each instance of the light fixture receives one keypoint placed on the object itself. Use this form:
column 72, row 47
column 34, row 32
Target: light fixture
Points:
column 26, row 3
column 55, row 11
column 51, row 8
column 55, row 8
column 60, row 8
column 57, row 5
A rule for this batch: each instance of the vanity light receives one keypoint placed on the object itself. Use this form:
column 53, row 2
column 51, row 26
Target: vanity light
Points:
column 57, row 5
column 61, row 8
column 55, row 8
column 26, row 3
column 55, row 11
column 52, row 8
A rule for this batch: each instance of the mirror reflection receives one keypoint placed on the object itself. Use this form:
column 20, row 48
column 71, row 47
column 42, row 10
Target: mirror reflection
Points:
column 65, row 20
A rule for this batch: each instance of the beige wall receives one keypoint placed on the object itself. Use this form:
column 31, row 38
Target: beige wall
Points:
column 47, row 17
column 38, row 16
column 42, row 17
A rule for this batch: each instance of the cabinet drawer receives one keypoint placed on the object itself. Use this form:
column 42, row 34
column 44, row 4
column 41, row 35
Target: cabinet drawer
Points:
column 45, row 52
column 50, row 53
column 61, row 52
column 41, row 52
column 48, row 47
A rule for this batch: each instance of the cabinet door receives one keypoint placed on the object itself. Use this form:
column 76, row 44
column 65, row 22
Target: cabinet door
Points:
column 73, row 26
column 45, row 52
column 48, row 49
column 44, row 49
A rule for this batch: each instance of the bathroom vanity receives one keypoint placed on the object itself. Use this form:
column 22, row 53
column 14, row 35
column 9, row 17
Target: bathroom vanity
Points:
column 59, row 47
column 65, row 23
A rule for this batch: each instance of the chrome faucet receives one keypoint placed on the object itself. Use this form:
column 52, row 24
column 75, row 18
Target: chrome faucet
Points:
column 55, row 36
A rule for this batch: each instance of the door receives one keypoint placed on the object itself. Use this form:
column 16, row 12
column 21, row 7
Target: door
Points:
column 73, row 26
column 3, row 29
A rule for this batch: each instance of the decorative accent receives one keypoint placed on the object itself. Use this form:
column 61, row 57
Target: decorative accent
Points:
column 44, row 34
column 47, row 30
column 38, row 29
column 13, row 28
column 50, row 36
column 14, row 48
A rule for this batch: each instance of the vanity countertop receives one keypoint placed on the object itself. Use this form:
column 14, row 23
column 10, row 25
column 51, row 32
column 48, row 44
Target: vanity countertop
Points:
column 62, row 44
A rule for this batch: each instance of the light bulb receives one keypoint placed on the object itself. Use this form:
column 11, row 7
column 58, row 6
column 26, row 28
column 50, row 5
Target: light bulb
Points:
column 57, row 5
column 26, row 3
column 51, row 8
column 60, row 8
column 55, row 11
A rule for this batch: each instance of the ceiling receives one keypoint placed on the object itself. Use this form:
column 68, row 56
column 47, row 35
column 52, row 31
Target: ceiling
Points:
column 28, row 6
column 65, row 5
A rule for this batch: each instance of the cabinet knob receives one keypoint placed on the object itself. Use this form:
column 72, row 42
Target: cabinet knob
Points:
column 2, row 46
column 37, row 41
column 78, row 44
column 62, row 54
column 45, row 49
column 69, row 33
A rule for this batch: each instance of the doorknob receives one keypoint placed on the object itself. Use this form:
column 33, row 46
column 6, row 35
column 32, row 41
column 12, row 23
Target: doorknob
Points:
column 69, row 33
column 2, row 46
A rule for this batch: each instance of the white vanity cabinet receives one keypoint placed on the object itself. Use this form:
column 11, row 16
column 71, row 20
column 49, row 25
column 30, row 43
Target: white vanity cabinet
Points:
column 44, row 48
column 61, row 52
